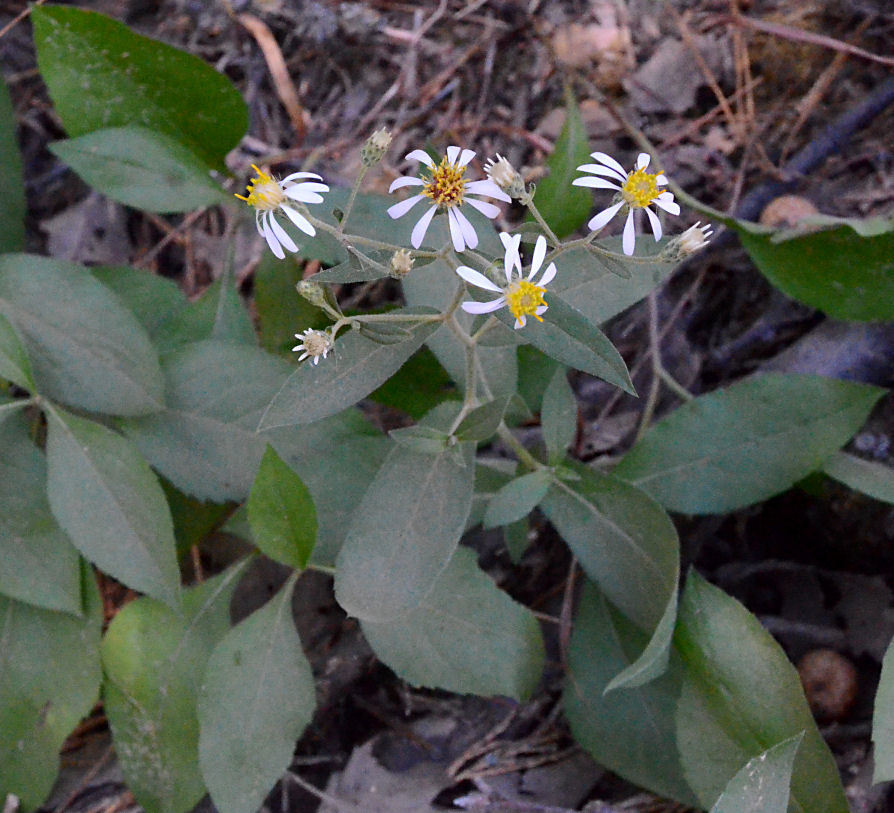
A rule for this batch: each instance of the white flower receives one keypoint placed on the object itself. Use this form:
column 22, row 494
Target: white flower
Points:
column 521, row 294
column 695, row 238
column 269, row 196
column 637, row 189
column 448, row 191
column 315, row 344
column 500, row 171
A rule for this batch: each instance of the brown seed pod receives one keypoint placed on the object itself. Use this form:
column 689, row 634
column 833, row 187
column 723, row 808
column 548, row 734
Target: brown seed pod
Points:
column 830, row 683
column 786, row 211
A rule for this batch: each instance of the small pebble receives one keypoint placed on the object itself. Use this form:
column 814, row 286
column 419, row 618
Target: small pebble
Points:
column 830, row 683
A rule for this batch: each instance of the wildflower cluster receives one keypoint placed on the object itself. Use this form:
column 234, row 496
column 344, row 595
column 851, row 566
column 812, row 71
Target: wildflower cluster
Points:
column 449, row 189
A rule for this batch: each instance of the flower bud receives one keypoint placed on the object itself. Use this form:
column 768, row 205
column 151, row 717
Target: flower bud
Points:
column 313, row 292
column 687, row 243
column 375, row 147
column 401, row 263
column 504, row 175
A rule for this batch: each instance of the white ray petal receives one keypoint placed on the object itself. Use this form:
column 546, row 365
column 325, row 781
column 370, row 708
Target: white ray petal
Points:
column 519, row 321
column 541, row 309
column 296, row 193
column 452, row 154
column 608, row 172
column 421, row 155
column 603, row 158
column 296, row 175
column 477, row 278
column 405, row 180
column 469, row 233
column 599, row 220
column 308, row 186
column 487, row 209
column 511, row 257
column 628, row 242
column 539, row 254
column 489, row 188
column 400, row 209
column 456, row 231
column 668, row 205
column 467, row 155
column 548, row 275
column 280, row 233
column 656, row 223
column 270, row 237
column 594, row 183
column 299, row 220
column 661, row 178
column 484, row 307
column 642, row 160
column 418, row 234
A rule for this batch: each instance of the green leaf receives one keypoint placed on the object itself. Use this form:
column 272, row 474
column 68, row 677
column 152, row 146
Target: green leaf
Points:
column 465, row 636
column 742, row 696
column 193, row 519
column 414, row 514
column 151, row 298
column 633, row 731
column 563, row 206
column 101, row 74
column 517, row 498
column 57, row 309
column 38, row 565
column 482, row 422
column 154, row 662
column 595, row 285
column 14, row 363
column 354, row 368
column 844, row 267
column 535, row 371
column 12, row 202
column 142, row 168
column 874, row 479
column 515, row 537
column 204, row 441
column 281, row 512
column 567, row 336
column 257, row 698
column 420, row 385
column 747, row 442
column 49, row 680
column 558, row 416
column 423, row 439
column 106, row 498
column 219, row 313
column 762, row 784
column 628, row 545
column 883, row 721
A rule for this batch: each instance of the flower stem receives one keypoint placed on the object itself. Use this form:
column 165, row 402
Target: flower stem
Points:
column 543, row 224
column 350, row 204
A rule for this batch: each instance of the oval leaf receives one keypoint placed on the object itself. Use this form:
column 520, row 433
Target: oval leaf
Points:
column 743, row 444
column 517, row 498
column 281, row 512
column 465, row 636
column 101, row 74
column 141, row 168
column 257, row 698
column 56, row 307
column 106, row 498
column 558, row 416
column 14, row 363
column 873, row 479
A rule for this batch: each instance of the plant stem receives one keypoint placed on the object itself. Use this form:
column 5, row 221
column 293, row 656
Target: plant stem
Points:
column 543, row 224
column 350, row 204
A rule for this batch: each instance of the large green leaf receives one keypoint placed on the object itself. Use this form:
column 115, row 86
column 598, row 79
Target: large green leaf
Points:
column 741, row 697
column 883, row 721
column 517, row 498
column 86, row 348
column 101, row 74
column 154, row 661
column 354, row 368
column 844, row 267
column 739, row 445
column 874, row 479
column 631, row 731
column 763, row 784
column 38, row 565
column 628, row 545
column 409, row 523
column 565, row 207
column 12, row 202
column 14, row 363
column 257, row 698
column 465, row 636
column 281, row 512
column 106, row 498
column 49, row 679
column 142, row 168
column 204, row 441
column 558, row 416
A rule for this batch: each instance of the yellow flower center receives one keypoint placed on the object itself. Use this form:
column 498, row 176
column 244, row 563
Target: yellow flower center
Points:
column 523, row 298
column 446, row 185
column 264, row 192
column 640, row 188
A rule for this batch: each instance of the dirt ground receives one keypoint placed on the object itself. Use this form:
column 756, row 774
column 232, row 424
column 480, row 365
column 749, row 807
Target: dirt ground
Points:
column 731, row 93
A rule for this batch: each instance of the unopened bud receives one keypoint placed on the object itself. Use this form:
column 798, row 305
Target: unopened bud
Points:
column 375, row 147
column 504, row 175
column 401, row 263
column 686, row 244
column 319, row 295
